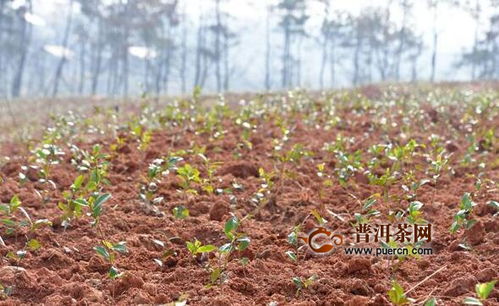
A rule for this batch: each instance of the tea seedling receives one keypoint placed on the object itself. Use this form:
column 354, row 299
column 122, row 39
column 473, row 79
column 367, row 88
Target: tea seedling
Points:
column 302, row 284
column 263, row 195
column 188, row 176
column 95, row 166
column 180, row 212
column 5, row 292
column 414, row 213
column 348, row 165
column 237, row 242
column 142, row 135
column 11, row 221
column 412, row 188
column 292, row 239
column 462, row 217
column 196, row 248
column 368, row 212
column 326, row 182
column 77, row 198
column 46, row 157
column 482, row 292
column 211, row 168
column 495, row 205
column 155, row 172
column 108, row 251
column 397, row 295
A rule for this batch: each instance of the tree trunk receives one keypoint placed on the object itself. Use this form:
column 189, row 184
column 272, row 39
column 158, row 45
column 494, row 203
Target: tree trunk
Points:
column 25, row 41
column 60, row 66
column 81, row 85
column 217, row 46
column 199, row 50
column 183, row 63
column 268, row 50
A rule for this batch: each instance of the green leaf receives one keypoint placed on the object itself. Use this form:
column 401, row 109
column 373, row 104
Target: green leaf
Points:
column 180, row 212
column 243, row 243
column 297, row 281
column 120, row 247
column 494, row 204
column 431, row 302
column 114, row 273
column 318, row 217
column 483, row 290
column 33, row 245
column 206, row 248
column 102, row 251
column 397, row 295
column 454, row 227
column 102, row 199
column 472, row 301
column 415, row 206
column 39, row 223
column 8, row 222
column 466, row 202
column 230, row 226
column 191, row 247
column 5, row 209
column 14, row 203
column 370, row 202
column 78, row 182
column 293, row 238
column 215, row 275
column 81, row 202
column 292, row 255
column 226, row 248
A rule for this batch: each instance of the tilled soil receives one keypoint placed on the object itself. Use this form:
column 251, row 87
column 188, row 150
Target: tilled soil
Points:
column 67, row 270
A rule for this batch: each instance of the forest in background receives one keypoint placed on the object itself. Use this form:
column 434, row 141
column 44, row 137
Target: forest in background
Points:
column 120, row 48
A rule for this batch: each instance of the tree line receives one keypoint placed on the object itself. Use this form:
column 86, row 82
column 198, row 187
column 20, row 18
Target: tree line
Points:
column 108, row 47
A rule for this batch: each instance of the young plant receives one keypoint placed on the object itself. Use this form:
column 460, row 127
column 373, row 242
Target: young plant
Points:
column 155, row 172
column 462, row 217
column 302, row 284
column 180, row 212
column 109, row 251
column 262, row 196
column 78, row 198
column 385, row 180
column 368, row 212
column 347, row 165
column 211, row 168
column 94, row 166
column 412, row 185
column 414, row 213
column 14, row 223
column 5, row 292
column 188, row 176
column 397, row 295
column 141, row 134
column 293, row 240
column 196, row 248
column 238, row 241
column 326, row 182
column 45, row 158
column 482, row 292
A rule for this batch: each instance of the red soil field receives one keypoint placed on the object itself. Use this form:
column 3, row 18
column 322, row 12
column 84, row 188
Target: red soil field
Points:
column 66, row 270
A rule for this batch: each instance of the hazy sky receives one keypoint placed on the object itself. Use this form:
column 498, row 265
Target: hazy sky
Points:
column 456, row 32
column 456, row 26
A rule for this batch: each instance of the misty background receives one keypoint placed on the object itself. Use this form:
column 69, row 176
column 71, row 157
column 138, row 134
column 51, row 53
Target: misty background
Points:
column 122, row 48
